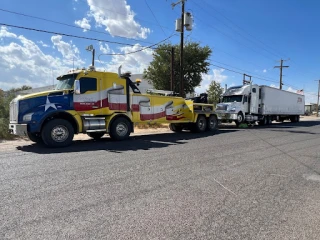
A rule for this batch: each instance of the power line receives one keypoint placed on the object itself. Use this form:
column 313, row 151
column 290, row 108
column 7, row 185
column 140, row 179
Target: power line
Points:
column 235, row 31
column 74, row 36
column 150, row 47
column 154, row 16
column 66, row 24
column 64, row 34
column 276, row 51
column 242, row 73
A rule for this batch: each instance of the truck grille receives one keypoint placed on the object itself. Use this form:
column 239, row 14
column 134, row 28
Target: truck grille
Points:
column 14, row 111
column 222, row 107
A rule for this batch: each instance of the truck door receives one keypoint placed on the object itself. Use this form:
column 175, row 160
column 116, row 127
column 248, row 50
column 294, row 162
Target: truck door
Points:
column 89, row 97
column 254, row 101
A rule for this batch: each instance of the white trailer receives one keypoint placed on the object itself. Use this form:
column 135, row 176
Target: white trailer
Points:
column 250, row 103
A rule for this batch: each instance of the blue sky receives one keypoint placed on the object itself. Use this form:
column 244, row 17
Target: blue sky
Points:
column 246, row 36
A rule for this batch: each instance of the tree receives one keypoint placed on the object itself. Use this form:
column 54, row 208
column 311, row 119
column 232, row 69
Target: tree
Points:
column 5, row 99
column 214, row 92
column 195, row 63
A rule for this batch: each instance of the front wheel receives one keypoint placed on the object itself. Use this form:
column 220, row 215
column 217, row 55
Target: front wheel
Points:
column 35, row 137
column 120, row 129
column 240, row 119
column 57, row 133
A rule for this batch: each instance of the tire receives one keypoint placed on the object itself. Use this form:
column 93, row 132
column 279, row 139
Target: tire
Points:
column 120, row 129
column 96, row 135
column 201, row 124
column 212, row 123
column 57, row 133
column 295, row 118
column 240, row 119
column 35, row 137
column 175, row 127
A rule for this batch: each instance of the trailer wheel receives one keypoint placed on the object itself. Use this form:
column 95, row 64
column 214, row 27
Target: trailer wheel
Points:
column 212, row 123
column 200, row 124
column 175, row 128
column 120, row 129
column 57, row 133
column 96, row 135
column 35, row 137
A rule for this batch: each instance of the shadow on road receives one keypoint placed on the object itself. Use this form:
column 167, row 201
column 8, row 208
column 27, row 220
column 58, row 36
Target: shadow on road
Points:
column 134, row 143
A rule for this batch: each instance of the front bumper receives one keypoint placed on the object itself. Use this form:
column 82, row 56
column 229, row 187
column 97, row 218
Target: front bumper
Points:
column 18, row 129
column 227, row 116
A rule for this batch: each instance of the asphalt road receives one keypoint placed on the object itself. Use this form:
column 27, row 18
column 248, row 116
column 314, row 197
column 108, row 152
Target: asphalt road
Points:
column 255, row 183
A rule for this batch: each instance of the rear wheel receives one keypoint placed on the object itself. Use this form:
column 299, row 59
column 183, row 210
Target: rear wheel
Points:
column 212, row 123
column 175, row 127
column 35, row 137
column 200, row 124
column 120, row 129
column 57, row 133
column 96, row 135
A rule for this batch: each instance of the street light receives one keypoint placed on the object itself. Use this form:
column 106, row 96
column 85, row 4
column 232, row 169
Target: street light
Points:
column 91, row 49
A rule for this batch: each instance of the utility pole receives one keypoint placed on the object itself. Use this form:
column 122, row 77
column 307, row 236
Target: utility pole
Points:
column 181, row 30
column 318, row 98
column 172, row 70
column 281, row 66
column 181, row 51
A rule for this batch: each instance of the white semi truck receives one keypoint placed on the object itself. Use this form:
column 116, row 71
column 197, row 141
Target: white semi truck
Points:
column 252, row 103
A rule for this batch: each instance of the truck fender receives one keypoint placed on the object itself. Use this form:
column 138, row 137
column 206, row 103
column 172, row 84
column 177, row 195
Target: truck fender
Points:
column 59, row 114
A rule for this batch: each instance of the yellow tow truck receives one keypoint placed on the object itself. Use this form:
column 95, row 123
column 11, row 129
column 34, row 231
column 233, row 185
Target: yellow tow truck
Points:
column 98, row 103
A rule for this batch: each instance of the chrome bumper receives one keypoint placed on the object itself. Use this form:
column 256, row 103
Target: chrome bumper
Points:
column 18, row 129
column 227, row 116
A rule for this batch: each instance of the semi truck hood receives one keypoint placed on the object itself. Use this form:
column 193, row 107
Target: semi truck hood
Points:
column 34, row 106
column 229, row 107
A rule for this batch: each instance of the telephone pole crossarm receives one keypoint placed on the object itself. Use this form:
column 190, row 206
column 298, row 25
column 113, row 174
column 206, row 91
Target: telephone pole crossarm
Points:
column 281, row 66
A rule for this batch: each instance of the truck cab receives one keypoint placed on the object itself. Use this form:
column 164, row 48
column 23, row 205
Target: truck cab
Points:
column 239, row 104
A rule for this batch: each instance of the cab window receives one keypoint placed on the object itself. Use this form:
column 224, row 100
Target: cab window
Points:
column 88, row 84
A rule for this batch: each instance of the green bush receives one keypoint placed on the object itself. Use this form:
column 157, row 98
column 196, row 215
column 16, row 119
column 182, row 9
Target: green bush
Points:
column 5, row 99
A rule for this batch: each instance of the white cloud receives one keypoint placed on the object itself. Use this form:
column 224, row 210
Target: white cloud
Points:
column 135, row 62
column 69, row 51
column 23, row 63
column 117, row 18
column 264, row 70
column 104, row 48
column 208, row 78
column 84, row 23
column 4, row 33
column 43, row 44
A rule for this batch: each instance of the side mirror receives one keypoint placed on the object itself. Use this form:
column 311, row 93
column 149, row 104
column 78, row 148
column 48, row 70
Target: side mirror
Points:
column 76, row 87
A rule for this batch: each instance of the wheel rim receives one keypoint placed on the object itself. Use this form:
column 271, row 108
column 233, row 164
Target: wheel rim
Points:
column 212, row 123
column 59, row 133
column 239, row 118
column 201, row 124
column 121, row 129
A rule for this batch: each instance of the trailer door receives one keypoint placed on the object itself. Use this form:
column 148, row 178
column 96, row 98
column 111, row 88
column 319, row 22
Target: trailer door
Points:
column 254, row 103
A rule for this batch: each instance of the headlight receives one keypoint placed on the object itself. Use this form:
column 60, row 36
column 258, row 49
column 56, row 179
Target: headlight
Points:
column 27, row 117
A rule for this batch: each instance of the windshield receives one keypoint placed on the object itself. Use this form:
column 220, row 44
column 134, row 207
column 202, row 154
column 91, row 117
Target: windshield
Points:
column 66, row 82
column 234, row 98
